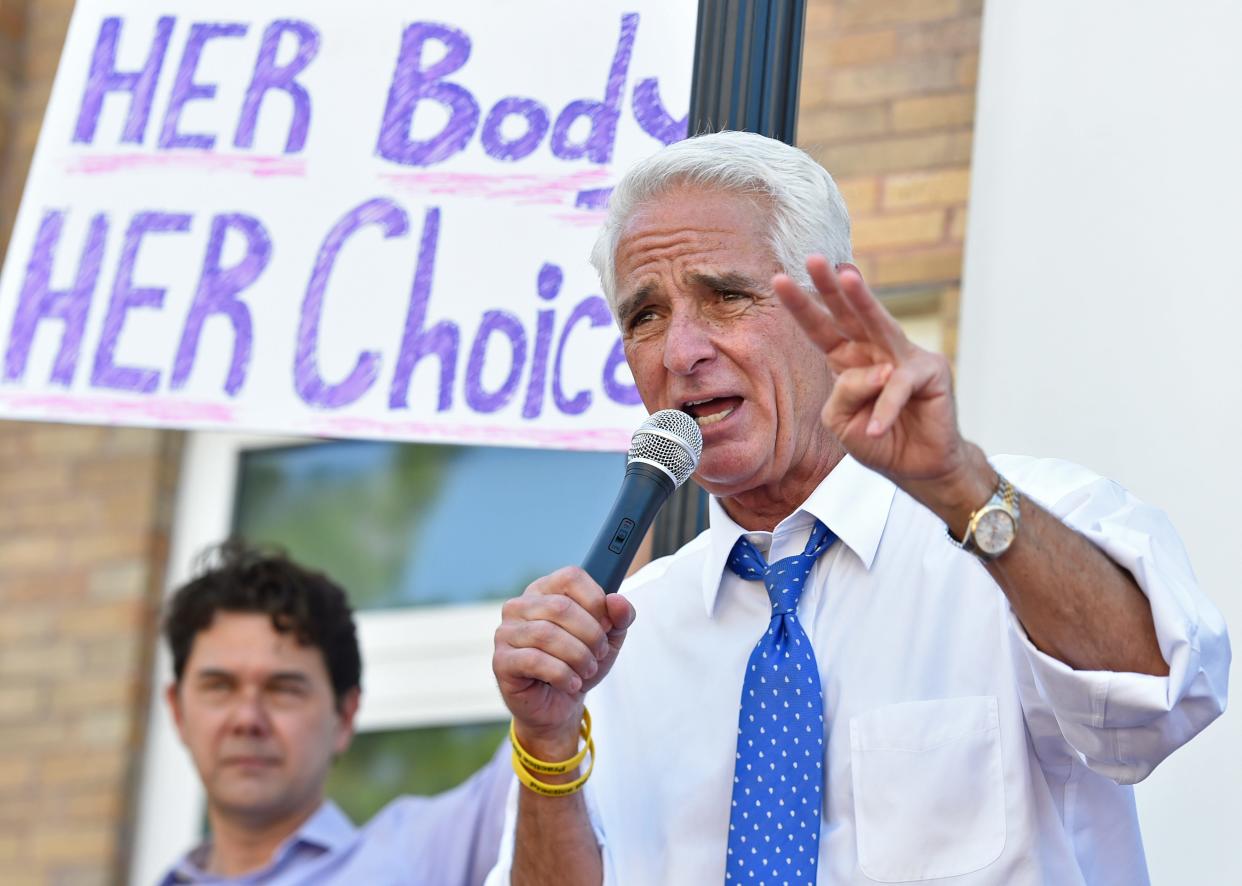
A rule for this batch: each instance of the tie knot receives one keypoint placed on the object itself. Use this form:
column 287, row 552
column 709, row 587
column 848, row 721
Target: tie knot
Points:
column 785, row 578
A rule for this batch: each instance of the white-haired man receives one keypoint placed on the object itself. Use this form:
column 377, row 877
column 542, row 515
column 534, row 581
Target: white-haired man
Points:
column 962, row 664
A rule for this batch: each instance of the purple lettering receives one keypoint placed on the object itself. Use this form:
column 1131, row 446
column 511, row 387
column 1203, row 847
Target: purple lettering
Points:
column 653, row 118
column 411, row 84
column 185, row 90
column 39, row 301
column 309, row 384
column 598, row 144
column 217, row 294
column 106, row 373
column 104, row 78
column 416, row 342
column 617, row 391
column 536, row 117
column 505, row 323
column 596, row 310
column 268, row 75
column 549, row 285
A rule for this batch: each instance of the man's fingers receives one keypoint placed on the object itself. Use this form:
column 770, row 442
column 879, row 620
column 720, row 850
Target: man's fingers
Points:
column 513, row 666
column 892, row 400
column 812, row 316
column 557, row 642
column 621, row 613
column 574, row 583
column 828, row 283
column 876, row 321
column 854, row 390
column 568, row 614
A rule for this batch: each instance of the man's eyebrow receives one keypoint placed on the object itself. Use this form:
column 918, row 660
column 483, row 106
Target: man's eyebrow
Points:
column 726, row 282
column 276, row 676
column 214, row 674
column 630, row 305
column 288, row 676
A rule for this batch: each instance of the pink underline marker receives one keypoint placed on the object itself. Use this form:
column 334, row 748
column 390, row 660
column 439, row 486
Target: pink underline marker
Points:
column 521, row 188
column 205, row 161
column 599, row 439
column 68, row 406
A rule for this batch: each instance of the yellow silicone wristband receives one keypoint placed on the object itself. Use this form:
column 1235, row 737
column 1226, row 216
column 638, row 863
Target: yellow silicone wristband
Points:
column 543, row 766
column 554, row 790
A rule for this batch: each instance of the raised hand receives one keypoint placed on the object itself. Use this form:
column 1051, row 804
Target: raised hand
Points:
column 892, row 402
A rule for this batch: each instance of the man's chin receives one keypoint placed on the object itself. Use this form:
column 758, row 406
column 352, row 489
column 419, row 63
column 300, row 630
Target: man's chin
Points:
column 249, row 797
column 724, row 473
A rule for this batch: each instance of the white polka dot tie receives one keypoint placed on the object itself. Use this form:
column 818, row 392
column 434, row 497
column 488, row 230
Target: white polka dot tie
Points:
column 778, row 777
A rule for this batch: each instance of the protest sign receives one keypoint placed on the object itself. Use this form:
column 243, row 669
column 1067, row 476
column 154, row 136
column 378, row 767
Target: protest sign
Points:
column 367, row 219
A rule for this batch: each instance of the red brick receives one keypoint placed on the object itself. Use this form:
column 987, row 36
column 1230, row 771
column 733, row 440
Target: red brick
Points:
column 819, row 126
column 940, row 111
column 956, row 35
column 918, row 266
column 870, row 83
column 898, row 229
column 856, row 13
column 898, row 154
column 940, row 187
column 861, row 194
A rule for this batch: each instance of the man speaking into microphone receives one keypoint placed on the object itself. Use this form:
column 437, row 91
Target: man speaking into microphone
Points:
column 890, row 658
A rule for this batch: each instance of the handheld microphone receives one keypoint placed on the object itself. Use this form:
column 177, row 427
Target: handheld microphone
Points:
column 664, row 452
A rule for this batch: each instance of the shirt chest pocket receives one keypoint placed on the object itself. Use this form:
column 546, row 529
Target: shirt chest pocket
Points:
column 929, row 790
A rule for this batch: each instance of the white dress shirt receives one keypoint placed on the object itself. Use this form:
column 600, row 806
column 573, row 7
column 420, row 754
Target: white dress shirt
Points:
column 956, row 751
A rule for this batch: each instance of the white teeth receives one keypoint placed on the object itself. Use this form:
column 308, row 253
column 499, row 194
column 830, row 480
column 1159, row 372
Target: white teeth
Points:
column 697, row 402
column 705, row 420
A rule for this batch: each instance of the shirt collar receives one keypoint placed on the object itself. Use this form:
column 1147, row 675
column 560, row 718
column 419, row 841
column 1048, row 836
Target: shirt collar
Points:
column 853, row 501
column 328, row 829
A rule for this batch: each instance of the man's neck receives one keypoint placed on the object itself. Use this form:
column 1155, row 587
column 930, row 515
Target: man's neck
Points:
column 762, row 508
column 242, row 844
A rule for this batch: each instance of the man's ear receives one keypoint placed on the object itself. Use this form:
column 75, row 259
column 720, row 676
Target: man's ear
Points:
column 347, row 710
column 173, row 698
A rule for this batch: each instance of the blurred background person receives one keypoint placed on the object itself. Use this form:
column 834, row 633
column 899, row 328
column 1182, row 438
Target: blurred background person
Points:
column 267, row 681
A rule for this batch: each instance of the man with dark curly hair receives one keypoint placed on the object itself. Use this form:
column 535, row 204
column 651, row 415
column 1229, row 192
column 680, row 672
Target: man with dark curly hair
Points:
column 267, row 677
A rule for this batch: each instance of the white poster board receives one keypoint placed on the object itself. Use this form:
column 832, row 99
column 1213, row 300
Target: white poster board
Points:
column 338, row 219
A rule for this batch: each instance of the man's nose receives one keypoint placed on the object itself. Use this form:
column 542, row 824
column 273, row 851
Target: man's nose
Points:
column 249, row 717
column 687, row 344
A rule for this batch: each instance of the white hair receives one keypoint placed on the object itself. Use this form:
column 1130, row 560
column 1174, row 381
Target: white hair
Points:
column 807, row 212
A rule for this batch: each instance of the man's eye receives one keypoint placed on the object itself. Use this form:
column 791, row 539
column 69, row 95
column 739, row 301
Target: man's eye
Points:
column 640, row 318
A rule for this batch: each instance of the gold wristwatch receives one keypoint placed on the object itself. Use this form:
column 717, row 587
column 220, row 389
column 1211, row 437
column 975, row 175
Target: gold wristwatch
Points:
column 993, row 527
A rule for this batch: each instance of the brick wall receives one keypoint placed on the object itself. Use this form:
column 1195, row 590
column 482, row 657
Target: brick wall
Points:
column 887, row 105
column 84, row 515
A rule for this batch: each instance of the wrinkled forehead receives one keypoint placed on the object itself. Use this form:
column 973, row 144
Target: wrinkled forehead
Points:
column 696, row 231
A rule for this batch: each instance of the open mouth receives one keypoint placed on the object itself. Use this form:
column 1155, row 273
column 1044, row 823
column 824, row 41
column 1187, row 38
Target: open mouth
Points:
column 712, row 410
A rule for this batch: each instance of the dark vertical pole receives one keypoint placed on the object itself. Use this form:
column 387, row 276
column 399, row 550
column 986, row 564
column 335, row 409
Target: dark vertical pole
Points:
column 747, row 67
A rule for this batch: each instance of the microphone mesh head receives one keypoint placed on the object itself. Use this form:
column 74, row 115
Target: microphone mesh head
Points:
column 670, row 439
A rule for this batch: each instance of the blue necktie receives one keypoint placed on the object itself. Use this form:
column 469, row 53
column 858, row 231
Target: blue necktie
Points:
column 779, row 775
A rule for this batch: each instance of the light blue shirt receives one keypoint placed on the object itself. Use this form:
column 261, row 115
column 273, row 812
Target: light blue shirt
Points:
column 450, row 839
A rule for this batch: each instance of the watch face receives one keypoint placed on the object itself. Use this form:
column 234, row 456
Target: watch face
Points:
column 994, row 532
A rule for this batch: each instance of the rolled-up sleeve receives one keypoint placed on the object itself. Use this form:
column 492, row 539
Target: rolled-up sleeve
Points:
column 1124, row 724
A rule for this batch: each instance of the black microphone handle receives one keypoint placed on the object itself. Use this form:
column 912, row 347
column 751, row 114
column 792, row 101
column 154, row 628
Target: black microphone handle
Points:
column 643, row 492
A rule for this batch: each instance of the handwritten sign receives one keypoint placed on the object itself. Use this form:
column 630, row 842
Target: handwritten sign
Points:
column 365, row 219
